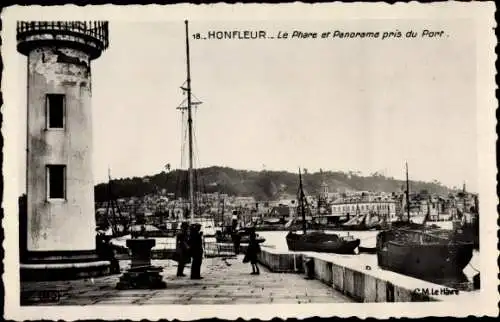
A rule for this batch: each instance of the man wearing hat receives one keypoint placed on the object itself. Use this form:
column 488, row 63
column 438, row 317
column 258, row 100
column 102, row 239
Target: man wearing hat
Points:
column 196, row 247
column 182, row 249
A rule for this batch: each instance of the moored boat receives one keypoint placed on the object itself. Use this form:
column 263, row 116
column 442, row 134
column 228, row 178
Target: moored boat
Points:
column 469, row 233
column 422, row 254
column 419, row 251
column 318, row 241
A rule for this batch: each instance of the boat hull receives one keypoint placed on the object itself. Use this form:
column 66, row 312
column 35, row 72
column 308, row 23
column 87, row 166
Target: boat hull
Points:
column 469, row 233
column 318, row 227
column 323, row 244
column 426, row 260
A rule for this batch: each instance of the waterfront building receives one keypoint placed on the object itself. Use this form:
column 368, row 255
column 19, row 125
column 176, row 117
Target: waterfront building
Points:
column 351, row 207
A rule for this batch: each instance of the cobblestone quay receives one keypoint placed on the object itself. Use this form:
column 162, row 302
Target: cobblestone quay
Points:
column 226, row 281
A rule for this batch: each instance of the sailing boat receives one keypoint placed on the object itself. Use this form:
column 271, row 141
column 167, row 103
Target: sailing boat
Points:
column 117, row 222
column 423, row 252
column 207, row 224
column 318, row 241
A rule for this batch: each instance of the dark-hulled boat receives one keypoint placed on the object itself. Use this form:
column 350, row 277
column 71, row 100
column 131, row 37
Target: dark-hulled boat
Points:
column 395, row 225
column 423, row 252
column 469, row 232
column 318, row 241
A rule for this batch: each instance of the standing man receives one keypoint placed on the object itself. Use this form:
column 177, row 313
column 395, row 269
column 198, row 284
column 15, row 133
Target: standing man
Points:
column 182, row 249
column 236, row 242
column 196, row 247
column 106, row 252
column 236, row 237
column 234, row 221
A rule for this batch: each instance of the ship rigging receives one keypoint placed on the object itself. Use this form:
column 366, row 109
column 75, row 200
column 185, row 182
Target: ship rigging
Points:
column 196, row 207
column 187, row 105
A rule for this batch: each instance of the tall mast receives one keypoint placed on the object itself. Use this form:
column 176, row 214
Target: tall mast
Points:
column 302, row 208
column 109, row 205
column 190, row 129
column 464, row 192
column 322, row 198
column 407, row 193
column 221, row 200
column 112, row 204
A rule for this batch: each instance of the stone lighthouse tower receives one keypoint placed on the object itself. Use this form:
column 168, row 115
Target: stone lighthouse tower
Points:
column 58, row 238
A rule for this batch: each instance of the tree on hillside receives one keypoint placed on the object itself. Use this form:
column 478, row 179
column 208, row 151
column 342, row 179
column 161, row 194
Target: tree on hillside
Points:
column 265, row 183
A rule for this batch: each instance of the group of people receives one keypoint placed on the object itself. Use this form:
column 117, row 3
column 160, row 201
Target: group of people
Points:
column 189, row 248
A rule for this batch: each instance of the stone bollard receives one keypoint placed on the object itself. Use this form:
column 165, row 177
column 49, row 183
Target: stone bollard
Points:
column 141, row 274
column 141, row 251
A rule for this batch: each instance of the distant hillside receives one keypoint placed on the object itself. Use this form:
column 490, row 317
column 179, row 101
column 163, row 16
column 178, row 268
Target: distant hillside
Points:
column 264, row 185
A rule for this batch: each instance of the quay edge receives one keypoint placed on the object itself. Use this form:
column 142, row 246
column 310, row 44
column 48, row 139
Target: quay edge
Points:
column 369, row 285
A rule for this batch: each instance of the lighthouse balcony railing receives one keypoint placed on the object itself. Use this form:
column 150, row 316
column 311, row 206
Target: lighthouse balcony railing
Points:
column 95, row 29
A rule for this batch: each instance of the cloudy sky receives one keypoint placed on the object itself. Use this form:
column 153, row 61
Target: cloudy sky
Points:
column 348, row 104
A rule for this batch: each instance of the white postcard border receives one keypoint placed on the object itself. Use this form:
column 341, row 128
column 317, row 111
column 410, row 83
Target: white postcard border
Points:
column 486, row 303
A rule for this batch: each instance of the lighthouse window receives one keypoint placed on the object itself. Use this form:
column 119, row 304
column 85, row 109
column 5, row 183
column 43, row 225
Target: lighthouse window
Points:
column 55, row 111
column 56, row 181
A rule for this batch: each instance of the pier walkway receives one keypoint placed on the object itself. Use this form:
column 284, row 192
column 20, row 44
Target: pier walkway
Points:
column 226, row 281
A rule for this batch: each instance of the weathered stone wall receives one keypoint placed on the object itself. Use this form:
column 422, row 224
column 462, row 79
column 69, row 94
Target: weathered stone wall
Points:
column 280, row 262
column 359, row 284
column 63, row 224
